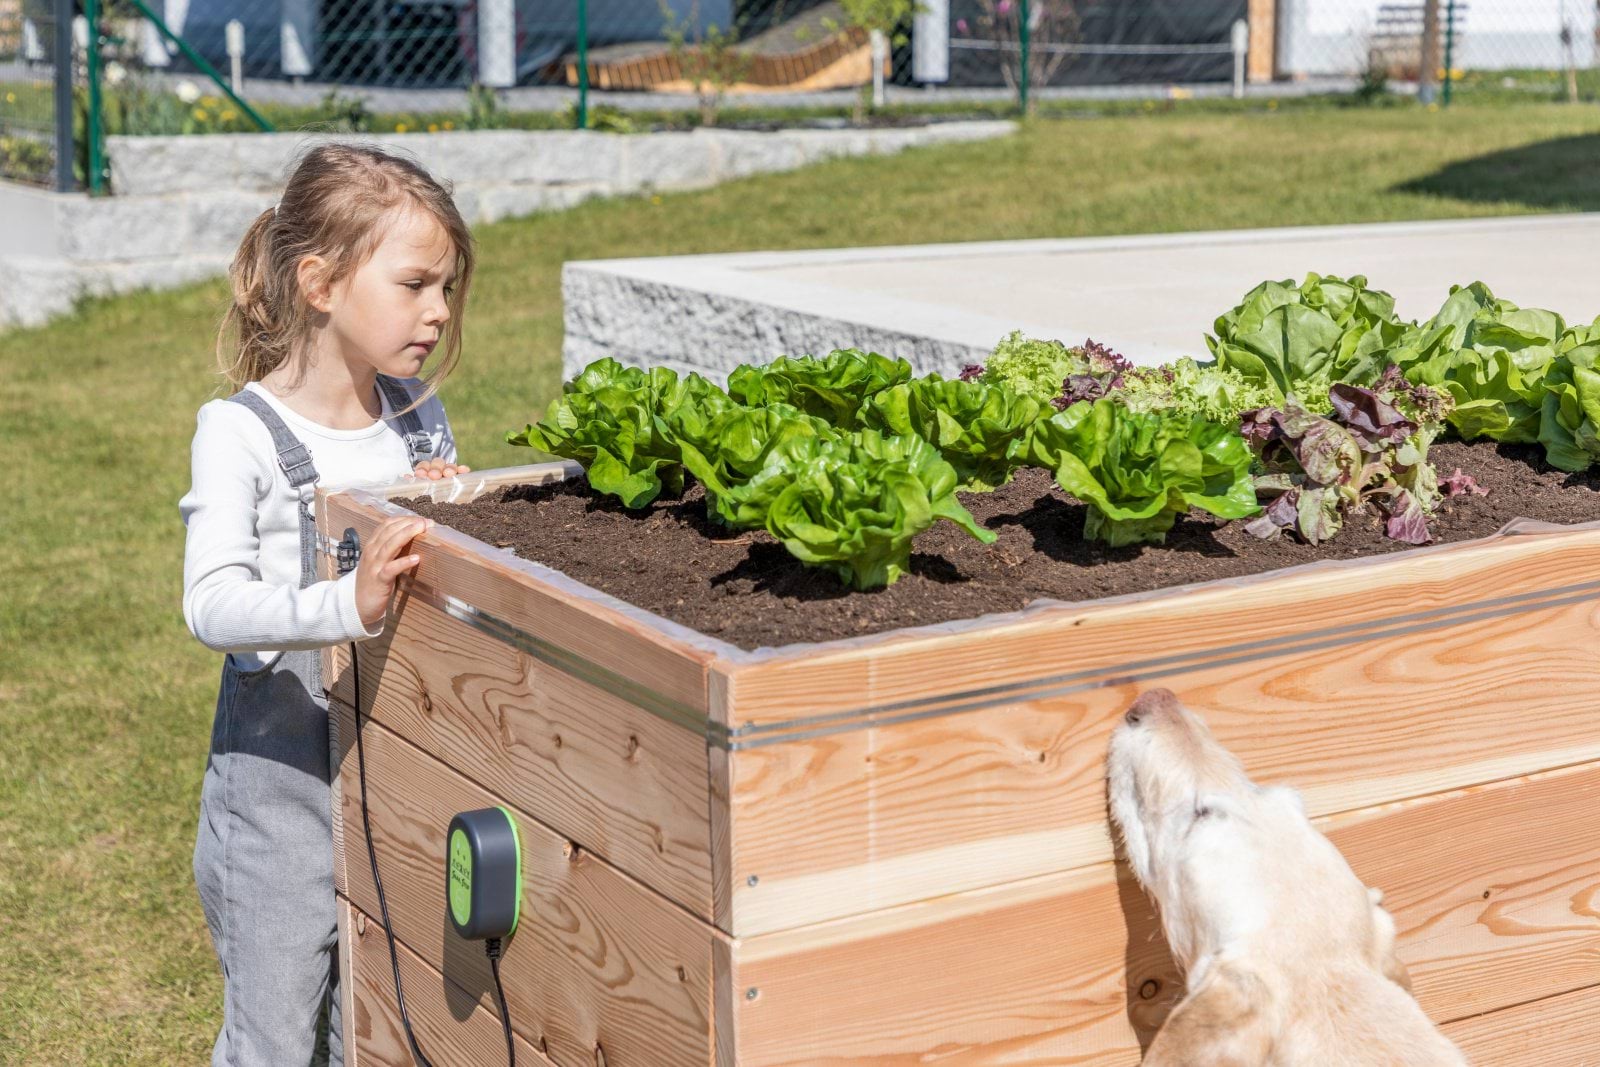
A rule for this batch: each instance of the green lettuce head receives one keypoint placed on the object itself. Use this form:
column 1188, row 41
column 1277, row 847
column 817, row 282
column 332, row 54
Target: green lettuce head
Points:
column 1138, row 471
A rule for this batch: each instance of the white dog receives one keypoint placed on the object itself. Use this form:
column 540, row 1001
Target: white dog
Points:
column 1289, row 958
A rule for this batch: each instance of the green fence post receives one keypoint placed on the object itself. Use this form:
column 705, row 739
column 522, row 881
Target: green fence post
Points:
column 1449, row 43
column 91, row 15
column 200, row 61
column 1022, row 37
column 583, row 64
column 66, row 151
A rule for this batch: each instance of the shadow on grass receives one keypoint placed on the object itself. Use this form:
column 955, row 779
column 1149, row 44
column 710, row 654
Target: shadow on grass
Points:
column 1560, row 174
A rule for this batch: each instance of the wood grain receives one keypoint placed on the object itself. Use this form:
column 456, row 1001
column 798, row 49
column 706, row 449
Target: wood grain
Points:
column 578, row 625
column 865, row 819
column 1072, row 967
column 453, row 1026
column 597, row 957
column 621, row 782
column 1561, row 1031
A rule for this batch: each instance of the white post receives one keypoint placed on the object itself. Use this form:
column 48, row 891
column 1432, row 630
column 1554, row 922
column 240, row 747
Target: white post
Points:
column 233, row 34
column 32, row 42
column 1241, row 49
column 497, row 43
column 930, row 42
column 880, row 48
column 297, row 37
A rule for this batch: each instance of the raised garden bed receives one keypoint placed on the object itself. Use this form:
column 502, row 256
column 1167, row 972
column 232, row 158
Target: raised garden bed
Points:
column 822, row 783
column 891, row 848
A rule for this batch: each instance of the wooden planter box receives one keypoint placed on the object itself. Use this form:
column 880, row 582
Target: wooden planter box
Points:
column 894, row 850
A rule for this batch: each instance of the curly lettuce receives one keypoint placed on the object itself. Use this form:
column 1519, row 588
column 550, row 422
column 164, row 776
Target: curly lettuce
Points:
column 852, row 506
column 971, row 423
column 1138, row 471
column 606, row 419
column 831, row 387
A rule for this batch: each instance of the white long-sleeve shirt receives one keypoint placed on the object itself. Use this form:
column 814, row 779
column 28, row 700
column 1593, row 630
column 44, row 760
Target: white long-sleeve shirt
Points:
column 241, row 561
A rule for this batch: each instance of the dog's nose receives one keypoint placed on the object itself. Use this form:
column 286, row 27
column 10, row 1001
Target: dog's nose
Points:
column 1152, row 703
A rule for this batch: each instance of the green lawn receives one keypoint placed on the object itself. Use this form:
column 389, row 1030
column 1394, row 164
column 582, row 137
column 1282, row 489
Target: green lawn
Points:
column 107, row 700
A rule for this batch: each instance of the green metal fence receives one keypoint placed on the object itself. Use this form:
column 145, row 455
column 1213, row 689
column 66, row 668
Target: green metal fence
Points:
column 205, row 66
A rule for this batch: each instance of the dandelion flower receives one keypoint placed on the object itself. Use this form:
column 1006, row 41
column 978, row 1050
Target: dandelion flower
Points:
column 187, row 91
column 229, row 115
column 399, row 127
column 433, row 127
column 449, row 125
column 200, row 114
column 116, row 73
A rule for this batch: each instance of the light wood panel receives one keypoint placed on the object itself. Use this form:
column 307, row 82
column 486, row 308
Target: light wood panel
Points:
column 846, row 823
column 1072, row 968
column 623, row 783
column 454, row 565
column 597, row 959
column 1560, row 1031
column 452, row 1026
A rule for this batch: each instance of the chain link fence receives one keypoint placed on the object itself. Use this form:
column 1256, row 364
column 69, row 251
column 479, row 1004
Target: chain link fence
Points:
column 190, row 66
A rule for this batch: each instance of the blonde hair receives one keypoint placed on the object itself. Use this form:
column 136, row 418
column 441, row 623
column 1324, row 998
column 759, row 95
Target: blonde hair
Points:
column 336, row 205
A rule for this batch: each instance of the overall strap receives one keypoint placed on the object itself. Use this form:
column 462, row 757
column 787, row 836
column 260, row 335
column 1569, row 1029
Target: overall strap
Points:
column 295, row 459
column 419, row 445
column 293, row 456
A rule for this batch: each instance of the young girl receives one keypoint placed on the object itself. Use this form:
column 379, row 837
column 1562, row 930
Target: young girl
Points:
column 341, row 292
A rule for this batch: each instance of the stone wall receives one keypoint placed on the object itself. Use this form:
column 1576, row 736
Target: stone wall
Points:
column 180, row 204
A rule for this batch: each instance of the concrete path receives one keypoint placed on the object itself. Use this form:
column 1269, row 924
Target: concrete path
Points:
column 1151, row 297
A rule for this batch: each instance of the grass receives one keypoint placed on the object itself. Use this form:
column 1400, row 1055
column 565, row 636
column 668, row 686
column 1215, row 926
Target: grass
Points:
column 104, row 957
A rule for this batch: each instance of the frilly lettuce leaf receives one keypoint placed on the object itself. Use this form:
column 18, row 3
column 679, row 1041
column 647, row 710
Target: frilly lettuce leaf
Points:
column 831, row 387
column 1138, row 471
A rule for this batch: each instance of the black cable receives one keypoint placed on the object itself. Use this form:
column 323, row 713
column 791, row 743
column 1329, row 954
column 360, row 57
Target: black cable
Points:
column 377, row 880
column 491, row 947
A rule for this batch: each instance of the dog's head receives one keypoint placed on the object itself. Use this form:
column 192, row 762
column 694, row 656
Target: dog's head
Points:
column 1230, row 865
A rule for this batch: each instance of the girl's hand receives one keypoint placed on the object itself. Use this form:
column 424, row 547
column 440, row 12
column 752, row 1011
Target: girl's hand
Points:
column 382, row 563
column 438, row 468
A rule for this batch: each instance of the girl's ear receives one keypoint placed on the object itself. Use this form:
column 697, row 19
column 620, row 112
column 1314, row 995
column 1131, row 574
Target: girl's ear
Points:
column 1224, row 1023
column 312, row 275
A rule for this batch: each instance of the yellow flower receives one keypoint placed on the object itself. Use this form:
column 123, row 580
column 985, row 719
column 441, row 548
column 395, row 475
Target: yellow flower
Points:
column 229, row 115
column 210, row 101
column 1149, row 105
column 433, row 127
column 449, row 125
column 200, row 114
column 399, row 127
column 655, row 200
column 11, row 98
column 1179, row 93
column 1272, row 105
column 1433, row 107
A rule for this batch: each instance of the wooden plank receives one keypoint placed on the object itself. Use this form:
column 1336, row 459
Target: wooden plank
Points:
column 597, row 959
column 621, row 782
column 347, row 983
column 571, row 620
column 1072, row 967
column 452, row 1024
column 1559, row 1031
column 1261, row 59
column 847, row 822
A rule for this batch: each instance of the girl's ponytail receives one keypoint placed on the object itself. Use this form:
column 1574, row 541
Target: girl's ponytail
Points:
column 257, row 320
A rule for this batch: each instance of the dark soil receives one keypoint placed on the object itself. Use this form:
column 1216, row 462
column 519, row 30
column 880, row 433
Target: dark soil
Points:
column 747, row 590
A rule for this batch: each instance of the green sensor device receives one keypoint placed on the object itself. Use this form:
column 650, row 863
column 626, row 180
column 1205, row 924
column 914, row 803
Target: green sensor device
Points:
column 483, row 874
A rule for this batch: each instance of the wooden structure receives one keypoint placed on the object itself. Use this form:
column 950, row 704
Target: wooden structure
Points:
column 840, row 60
column 894, row 849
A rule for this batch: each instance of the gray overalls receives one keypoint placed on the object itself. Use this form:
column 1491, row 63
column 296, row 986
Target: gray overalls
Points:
column 263, row 856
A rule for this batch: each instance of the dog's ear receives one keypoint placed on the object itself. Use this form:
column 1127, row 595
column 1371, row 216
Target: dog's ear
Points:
column 1227, row 1022
column 1383, row 926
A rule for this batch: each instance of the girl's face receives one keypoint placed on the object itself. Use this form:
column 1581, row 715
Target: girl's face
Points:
column 391, row 312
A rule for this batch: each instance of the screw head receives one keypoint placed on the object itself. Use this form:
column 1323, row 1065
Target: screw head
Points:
column 752, row 880
column 752, row 993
